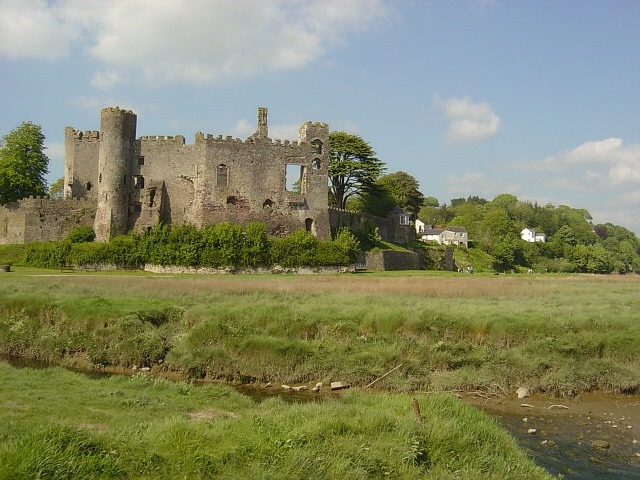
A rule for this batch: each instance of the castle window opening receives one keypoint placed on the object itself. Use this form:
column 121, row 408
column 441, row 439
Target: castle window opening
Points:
column 232, row 200
column 100, row 179
column 152, row 195
column 294, row 178
column 138, row 181
column 137, row 207
column 124, row 179
column 316, row 147
column 222, row 174
column 140, row 160
column 88, row 186
column 268, row 203
column 315, row 164
column 310, row 226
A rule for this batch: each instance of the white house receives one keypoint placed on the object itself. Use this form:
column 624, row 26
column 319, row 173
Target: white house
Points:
column 530, row 235
column 446, row 236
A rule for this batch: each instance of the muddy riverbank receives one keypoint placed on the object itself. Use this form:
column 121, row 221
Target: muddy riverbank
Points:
column 591, row 436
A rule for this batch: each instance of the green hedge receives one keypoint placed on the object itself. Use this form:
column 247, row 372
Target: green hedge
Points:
column 213, row 246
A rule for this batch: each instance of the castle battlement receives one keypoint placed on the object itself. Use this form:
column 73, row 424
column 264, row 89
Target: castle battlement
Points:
column 179, row 139
column 117, row 109
column 211, row 139
column 86, row 136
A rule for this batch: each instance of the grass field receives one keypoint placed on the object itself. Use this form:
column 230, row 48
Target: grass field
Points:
column 59, row 424
column 550, row 333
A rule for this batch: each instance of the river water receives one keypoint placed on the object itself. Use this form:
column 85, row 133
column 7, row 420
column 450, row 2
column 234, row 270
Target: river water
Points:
column 592, row 436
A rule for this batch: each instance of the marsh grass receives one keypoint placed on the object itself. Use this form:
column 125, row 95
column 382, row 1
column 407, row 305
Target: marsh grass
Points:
column 61, row 424
column 559, row 334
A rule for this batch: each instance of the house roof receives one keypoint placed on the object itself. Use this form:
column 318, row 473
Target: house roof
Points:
column 396, row 211
column 438, row 231
column 456, row 229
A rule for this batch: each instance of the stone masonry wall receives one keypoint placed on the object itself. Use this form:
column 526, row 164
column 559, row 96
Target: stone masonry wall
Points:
column 43, row 219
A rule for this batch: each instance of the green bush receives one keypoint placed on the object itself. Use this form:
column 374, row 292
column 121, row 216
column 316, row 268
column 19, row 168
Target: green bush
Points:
column 81, row 235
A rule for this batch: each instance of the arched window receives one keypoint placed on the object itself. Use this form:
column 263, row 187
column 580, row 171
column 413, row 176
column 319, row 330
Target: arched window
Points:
column 309, row 226
column 316, row 164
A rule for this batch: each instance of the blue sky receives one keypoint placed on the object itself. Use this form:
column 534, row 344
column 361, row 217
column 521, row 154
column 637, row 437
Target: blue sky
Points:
column 540, row 99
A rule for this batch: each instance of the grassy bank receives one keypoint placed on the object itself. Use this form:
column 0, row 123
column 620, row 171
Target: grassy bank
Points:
column 60, row 424
column 557, row 334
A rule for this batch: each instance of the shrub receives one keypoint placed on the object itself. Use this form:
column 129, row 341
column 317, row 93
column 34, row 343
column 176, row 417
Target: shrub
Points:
column 81, row 235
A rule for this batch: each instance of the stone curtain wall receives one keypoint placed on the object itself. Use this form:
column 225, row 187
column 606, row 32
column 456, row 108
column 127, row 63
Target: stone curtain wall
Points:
column 43, row 219
column 392, row 260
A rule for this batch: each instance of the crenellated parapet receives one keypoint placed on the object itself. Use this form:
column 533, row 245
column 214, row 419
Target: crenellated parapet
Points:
column 177, row 139
column 209, row 139
column 79, row 135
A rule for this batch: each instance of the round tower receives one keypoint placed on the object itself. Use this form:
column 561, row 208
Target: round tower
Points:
column 117, row 150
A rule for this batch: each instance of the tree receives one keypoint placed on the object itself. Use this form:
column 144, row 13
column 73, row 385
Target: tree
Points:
column 56, row 189
column 23, row 163
column 397, row 188
column 403, row 189
column 353, row 167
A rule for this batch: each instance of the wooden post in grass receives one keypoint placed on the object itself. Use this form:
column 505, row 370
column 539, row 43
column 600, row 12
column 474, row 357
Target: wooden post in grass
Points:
column 380, row 378
column 416, row 410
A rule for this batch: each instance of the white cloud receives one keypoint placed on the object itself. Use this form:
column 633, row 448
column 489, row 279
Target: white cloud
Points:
column 284, row 132
column 604, row 162
column 34, row 29
column 468, row 121
column 161, row 41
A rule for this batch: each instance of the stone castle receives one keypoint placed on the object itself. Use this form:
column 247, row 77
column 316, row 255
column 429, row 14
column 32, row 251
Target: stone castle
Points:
column 118, row 183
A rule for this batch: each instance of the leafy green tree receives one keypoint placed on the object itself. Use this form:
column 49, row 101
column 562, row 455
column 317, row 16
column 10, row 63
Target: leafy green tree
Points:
column 430, row 202
column 56, row 189
column 404, row 190
column 23, row 163
column 353, row 167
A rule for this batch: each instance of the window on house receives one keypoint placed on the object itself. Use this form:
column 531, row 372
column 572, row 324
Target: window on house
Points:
column 405, row 220
column 315, row 164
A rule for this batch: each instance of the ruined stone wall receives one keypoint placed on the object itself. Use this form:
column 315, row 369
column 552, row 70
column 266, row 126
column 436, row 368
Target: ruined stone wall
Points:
column 81, row 163
column 389, row 229
column 392, row 260
column 134, row 183
column 43, row 219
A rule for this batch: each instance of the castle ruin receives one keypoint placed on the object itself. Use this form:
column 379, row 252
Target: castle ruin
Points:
column 118, row 183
